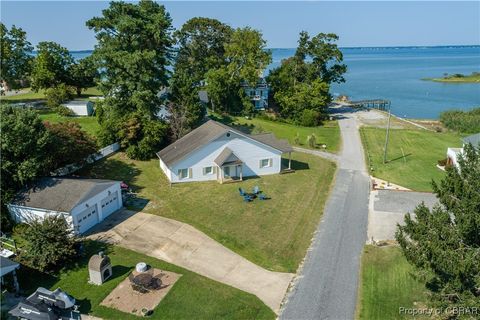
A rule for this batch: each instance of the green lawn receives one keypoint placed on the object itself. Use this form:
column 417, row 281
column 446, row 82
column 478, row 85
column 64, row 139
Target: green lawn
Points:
column 192, row 296
column 422, row 150
column 89, row 124
column 387, row 283
column 31, row 96
column 328, row 134
column 274, row 233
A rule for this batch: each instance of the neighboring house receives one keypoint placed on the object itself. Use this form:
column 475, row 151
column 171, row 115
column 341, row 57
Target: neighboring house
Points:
column 215, row 151
column 83, row 202
column 258, row 94
column 80, row 107
column 454, row 153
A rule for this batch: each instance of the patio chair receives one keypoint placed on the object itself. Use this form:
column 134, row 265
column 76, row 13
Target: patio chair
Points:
column 247, row 198
column 241, row 191
column 256, row 190
column 263, row 197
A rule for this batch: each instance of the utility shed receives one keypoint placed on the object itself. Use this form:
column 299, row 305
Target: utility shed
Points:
column 80, row 107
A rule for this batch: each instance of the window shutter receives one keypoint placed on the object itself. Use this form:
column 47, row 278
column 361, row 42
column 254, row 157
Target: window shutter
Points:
column 260, row 163
column 189, row 172
column 270, row 162
column 214, row 169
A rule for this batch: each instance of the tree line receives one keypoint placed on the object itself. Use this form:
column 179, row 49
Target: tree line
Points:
column 138, row 53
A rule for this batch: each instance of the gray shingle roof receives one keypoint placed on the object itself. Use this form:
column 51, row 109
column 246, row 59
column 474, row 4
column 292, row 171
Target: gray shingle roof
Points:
column 210, row 131
column 227, row 157
column 473, row 139
column 270, row 139
column 60, row 194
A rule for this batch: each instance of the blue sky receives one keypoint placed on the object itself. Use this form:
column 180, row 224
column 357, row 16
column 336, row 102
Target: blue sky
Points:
column 377, row 23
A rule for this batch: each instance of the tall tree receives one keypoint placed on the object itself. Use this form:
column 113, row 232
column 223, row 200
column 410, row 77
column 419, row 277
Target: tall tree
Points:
column 15, row 58
column 201, row 47
column 83, row 74
column 444, row 243
column 51, row 66
column 24, row 146
column 246, row 57
column 133, row 53
column 316, row 60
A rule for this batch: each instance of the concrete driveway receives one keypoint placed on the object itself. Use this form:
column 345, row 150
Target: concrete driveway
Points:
column 185, row 246
column 388, row 207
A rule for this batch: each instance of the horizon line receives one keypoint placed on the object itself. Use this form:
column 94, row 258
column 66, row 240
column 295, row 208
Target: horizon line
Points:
column 352, row 47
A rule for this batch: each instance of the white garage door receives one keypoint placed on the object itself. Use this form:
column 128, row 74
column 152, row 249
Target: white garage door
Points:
column 109, row 204
column 87, row 219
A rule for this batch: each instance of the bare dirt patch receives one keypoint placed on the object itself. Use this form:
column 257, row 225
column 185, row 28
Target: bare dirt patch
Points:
column 126, row 299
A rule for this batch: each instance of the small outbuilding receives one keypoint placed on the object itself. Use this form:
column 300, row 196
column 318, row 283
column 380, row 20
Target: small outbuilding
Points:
column 80, row 107
column 99, row 268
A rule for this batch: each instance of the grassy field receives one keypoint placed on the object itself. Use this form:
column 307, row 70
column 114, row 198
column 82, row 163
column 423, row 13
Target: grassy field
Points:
column 422, row 150
column 387, row 283
column 328, row 134
column 458, row 78
column 274, row 233
column 192, row 296
column 89, row 124
column 30, row 96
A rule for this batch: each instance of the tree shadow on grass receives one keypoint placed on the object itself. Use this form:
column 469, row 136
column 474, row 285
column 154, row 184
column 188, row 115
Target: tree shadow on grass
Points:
column 112, row 169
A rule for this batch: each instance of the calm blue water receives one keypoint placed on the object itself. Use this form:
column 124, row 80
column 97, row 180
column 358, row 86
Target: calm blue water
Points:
column 395, row 74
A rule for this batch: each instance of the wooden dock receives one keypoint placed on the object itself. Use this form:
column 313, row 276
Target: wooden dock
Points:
column 380, row 104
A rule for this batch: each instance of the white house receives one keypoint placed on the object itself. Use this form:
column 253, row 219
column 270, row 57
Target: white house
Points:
column 454, row 153
column 215, row 151
column 83, row 202
column 80, row 107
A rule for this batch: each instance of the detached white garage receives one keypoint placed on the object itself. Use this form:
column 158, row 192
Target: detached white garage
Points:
column 83, row 202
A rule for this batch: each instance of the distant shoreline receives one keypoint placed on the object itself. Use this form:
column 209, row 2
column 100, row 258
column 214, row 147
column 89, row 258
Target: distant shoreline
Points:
column 457, row 78
column 354, row 48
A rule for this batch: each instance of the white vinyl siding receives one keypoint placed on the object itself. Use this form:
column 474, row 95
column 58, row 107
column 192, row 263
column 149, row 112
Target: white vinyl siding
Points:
column 249, row 151
column 266, row 163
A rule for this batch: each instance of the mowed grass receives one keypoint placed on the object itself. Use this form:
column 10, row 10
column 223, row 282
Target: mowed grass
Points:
column 274, row 234
column 191, row 297
column 30, row 95
column 422, row 150
column 89, row 124
column 328, row 133
column 387, row 283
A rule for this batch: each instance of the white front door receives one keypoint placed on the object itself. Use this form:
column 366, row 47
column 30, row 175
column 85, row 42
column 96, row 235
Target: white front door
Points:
column 86, row 219
column 109, row 204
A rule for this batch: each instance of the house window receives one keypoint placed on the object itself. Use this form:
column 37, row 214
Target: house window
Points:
column 265, row 163
column 183, row 173
column 207, row 170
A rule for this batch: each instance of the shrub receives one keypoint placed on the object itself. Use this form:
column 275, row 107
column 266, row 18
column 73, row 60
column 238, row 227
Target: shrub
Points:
column 58, row 95
column 312, row 140
column 462, row 121
column 47, row 243
column 310, row 118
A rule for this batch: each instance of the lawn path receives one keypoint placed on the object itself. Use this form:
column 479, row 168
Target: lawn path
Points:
column 327, row 285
